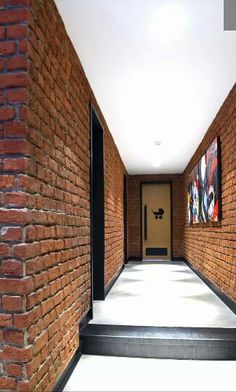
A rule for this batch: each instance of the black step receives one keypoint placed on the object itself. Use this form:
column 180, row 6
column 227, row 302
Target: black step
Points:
column 159, row 342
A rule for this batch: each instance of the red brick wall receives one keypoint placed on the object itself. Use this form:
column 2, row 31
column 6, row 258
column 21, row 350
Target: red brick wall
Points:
column 114, row 209
column 211, row 247
column 15, row 285
column 134, row 226
column 45, row 230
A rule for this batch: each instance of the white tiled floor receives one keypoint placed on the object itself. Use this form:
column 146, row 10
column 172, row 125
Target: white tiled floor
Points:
column 164, row 294
column 95, row 373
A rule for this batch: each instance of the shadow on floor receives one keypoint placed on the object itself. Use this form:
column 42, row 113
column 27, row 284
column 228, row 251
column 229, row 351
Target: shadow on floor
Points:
column 122, row 294
column 130, row 280
column 207, row 298
column 191, row 280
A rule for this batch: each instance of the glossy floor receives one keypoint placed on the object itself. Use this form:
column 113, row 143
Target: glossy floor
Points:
column 162, row 294
column 96, row 373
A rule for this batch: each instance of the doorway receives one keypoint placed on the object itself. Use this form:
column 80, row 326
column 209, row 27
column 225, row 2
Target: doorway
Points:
column 97, row 208
column 156, row 221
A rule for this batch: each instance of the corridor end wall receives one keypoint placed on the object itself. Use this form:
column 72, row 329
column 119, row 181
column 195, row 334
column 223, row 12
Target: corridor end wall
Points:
column 45, row 196
column 134, row 213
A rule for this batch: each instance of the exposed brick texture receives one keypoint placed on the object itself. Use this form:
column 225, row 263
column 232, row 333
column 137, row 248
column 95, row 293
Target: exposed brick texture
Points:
column 134, row 211
column 15, row 349
column 211, row 247
column 45, row 196
column 114, row 211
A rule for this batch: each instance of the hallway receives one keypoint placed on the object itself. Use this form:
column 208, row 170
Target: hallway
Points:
column 116, row 147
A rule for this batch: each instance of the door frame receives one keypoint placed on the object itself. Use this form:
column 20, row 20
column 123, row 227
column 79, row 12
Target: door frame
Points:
column 100, row 294
column 141, row 212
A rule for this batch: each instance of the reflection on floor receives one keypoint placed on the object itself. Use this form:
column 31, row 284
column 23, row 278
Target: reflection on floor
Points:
column 162, row 294
column 94, row 373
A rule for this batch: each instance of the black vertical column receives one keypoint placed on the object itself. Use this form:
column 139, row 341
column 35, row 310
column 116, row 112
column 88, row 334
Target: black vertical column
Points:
column 97, row 208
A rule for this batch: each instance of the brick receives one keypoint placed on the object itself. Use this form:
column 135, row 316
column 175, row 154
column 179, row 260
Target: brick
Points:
column 17, row 96
column 16, row 286
column 13, row 16
column 26, row 251
column 7, row 48
column 12, row 267
column 7, row 181
column 6, row 113
column 2, row 99
column 23, row 112
column 5, row 320
column 14, row 370
column 14, row 80
column 2, row 64
column 12, row 303
column 25, row 386
column 17, row 31
column 1, row 136
column 10, row 233
column 4, row 250
column 31, row 185
column 19, row 165
column 16, row 199
column 17, row 63
column 15, row 129
column 1, row 198
column 7, row 383
column 10, row 147
column 23, row 46
column 27, row 319
column 11, row 336
column 16, row 354
column 15, row 216
column 2, row 32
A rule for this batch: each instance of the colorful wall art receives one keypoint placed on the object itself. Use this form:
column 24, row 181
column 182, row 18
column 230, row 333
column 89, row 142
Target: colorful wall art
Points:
column 204, row 187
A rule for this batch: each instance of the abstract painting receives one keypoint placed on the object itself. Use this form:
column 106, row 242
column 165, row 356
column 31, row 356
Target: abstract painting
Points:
column 204, row 187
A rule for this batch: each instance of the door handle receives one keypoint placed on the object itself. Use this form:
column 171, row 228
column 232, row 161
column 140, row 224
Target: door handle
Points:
column 145, row 222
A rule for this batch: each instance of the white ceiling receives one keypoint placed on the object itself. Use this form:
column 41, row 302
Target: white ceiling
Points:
column 160, row 70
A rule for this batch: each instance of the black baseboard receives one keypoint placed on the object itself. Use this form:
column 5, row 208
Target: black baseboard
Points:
column 85, row 320
column 134, row 259
column 140, row 259
column 178, row 258
column 62, row 381
column 224, row 297
column 114, row 279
